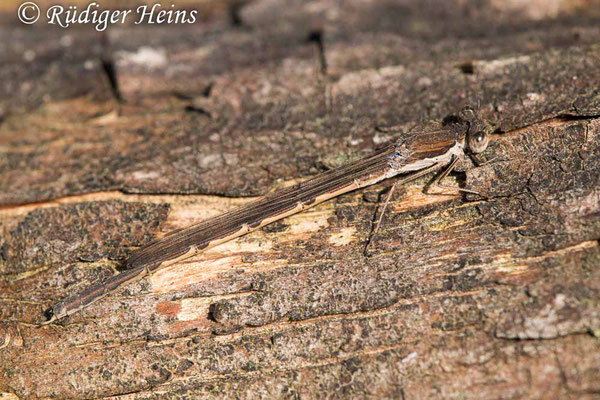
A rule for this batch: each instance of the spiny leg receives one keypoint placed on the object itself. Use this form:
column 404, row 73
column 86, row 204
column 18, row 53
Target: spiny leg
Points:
column 376, row 227
column 401, row 181
column 436, row 181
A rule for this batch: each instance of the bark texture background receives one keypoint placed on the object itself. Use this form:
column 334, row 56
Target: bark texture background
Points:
column 110, row 139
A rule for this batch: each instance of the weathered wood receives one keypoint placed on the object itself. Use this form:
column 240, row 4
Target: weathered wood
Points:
column 462, row 297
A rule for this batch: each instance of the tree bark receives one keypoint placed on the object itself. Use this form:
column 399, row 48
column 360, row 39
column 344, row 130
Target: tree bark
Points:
column 110, row 140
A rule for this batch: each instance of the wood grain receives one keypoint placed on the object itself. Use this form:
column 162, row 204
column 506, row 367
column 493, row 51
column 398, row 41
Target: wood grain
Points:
column 462, row 297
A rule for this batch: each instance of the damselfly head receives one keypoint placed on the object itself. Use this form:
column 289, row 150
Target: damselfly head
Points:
column 478, row 134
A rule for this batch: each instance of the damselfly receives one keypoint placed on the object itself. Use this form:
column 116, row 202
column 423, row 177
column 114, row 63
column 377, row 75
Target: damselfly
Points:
column 411, row 158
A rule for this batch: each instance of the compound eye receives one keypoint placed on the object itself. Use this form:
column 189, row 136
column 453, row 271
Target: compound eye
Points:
column 478, row 142
column 468, row 113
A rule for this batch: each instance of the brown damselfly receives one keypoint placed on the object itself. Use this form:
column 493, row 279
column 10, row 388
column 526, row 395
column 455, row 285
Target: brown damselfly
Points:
column 410, row 158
